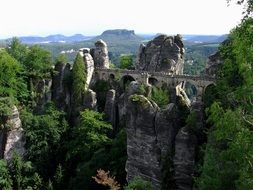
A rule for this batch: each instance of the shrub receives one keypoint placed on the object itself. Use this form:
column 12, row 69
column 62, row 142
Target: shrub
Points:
column 139, row 184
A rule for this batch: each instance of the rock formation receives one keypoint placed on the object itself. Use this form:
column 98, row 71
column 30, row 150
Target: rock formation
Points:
column 61, row 86
column 162, row 54
column 43, row 89
column 151, row 134
column 100, row 55
column 184, row 159
column 12, row 137
column 214, row 63
column 142, row 149
column 110, row 107
column 89, row 64
column 90, row 100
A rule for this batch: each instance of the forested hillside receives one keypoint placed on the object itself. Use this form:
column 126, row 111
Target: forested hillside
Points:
column 228, row 153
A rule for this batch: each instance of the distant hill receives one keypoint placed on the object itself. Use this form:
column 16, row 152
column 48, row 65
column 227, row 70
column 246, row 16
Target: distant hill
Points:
column 53, row 38
column 205, row 38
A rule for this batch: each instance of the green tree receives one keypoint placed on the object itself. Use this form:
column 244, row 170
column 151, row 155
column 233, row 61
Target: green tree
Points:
column 126, row 62
column 38, row 62
column 5, row 178
column 248, row 6
column 17, row 50
column 61, row 58
column 23, row 175
column 10, row 82
column 228, row 156
column 79, row 78
column 43, row 138
column 160, row 96
column 90, row 134
column 139, row 184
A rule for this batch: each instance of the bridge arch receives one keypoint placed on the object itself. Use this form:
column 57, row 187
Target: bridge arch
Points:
column 190, row 89
column 153, row 81
column 111, row 76
column 209, row 94
column 126, row 80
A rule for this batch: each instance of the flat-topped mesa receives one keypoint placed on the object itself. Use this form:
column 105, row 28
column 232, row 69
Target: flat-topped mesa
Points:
column 100, row 55
column 118, row 32
column 162, row 54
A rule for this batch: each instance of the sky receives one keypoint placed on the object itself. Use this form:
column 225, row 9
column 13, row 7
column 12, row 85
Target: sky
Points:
column 92, row 17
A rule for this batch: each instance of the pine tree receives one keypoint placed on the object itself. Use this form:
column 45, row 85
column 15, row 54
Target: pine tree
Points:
column 79, row 78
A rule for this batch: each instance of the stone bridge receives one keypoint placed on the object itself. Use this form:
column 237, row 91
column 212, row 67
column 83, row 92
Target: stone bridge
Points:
column 156, row 78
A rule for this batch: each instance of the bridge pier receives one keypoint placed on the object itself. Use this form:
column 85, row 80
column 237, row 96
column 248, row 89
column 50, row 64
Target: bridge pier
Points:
column 200, row 92
column 144, row 78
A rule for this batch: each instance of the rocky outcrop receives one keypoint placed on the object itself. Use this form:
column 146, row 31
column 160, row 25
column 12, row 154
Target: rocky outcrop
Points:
column 214, row 63
column 142, row 149
column 89, row 65
column 162, row 54
column 110, row 106
column 90, row 100
column 43, row 89
column 61, row 86
column 167, row 125
column 100, row 55
column 12, row 137
column 183, row 96
column 151, row 134
column 184, row 159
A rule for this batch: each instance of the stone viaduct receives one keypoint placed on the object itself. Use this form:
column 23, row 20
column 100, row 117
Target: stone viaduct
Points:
column 156, row 78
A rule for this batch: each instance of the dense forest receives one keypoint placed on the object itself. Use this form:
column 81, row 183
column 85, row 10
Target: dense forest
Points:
column 62, row 153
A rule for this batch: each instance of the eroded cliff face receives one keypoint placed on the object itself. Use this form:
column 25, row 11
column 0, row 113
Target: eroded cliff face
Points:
column 12, row 138
column 162, row 54
column 157, row 146
column 214, row 63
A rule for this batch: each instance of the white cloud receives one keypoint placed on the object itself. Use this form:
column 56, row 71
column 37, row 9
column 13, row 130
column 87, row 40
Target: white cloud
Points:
column 31, row 17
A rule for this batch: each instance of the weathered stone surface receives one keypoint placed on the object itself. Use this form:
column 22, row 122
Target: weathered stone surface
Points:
column 151, row 134
column 163, row 53
column 198, row 108
column 123, row 101
column 43, row 88
column 57, row 84
column 60, row 86
column 180, row 93
column 184, row 159
column 214, row 63
column 89, row 64
column 110, row 106
column 90, row 100
column 142, row 148
column 100, row 55
column 167, row 125
column 12, row 139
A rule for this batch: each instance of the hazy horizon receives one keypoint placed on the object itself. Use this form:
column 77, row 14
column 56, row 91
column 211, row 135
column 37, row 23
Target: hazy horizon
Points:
column 90, row 18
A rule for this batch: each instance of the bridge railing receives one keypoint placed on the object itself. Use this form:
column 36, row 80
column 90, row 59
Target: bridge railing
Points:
column 158, row 74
